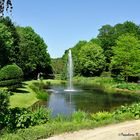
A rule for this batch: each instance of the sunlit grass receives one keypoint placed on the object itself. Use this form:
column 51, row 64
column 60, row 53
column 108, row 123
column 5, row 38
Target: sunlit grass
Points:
column 25, row 96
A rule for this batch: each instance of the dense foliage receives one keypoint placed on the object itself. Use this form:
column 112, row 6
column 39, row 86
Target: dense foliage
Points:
column 11, row 76
column 4, row 103
column 24, row 47
column 32, row 55
column 91, row 60
column 6, row 41
column 15, row 118
column 126, row 59
column 108, row 35
column 40, row 90
column 57, row 65
column 11, row 72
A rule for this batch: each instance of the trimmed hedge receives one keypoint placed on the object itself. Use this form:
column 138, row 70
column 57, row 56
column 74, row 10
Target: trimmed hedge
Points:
column 11, row 76
column 10, row 72
column 10, row 82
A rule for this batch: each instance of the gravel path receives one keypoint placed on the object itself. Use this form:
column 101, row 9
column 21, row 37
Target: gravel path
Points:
column 122, row 131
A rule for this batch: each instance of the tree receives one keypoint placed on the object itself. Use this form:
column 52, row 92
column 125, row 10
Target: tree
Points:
column 109, row 34
column 32, row 55
column 8, row 4
column 6, row 41
column 107, row 41
column 57, row 65
column 126, row 59
column 13, row 49
column 91, row 60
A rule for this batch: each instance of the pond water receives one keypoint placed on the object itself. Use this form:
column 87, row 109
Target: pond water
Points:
column 83, row 98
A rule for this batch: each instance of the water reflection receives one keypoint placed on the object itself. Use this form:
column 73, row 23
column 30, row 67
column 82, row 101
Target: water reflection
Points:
column 85, row 99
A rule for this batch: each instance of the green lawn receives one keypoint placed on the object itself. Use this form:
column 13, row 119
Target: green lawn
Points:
column 25, row 97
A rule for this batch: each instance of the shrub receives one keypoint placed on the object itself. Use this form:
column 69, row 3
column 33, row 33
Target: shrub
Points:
column 11, row 77
column 23, row 118
column 101, row 116
column 129, row 86
column 10, row 72
column 134, row 109
column 41, row 115
column 38, row 88
column 106, row 74
column 9, row 82
column 42, row 95
column 79, row 116
column 4, row 103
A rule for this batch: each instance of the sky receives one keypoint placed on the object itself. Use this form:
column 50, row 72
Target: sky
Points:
column 63, row 23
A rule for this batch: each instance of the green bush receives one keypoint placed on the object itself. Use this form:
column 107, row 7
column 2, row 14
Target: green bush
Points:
column 4, row 103
column 11, row 72
column 10, row 82
column 38, row 88
column 79, row 116
column 134, row 109
column 106, row 74
column 23, row 118
column 11, row 77
column 101, row 116
column 129, row 86
column 42, row 95
column 41, row 115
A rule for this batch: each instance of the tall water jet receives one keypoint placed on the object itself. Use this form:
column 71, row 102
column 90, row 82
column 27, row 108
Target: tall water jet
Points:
column 70, row 71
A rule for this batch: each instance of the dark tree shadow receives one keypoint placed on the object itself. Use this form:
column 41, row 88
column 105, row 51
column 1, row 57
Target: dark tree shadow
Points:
column 21, row 91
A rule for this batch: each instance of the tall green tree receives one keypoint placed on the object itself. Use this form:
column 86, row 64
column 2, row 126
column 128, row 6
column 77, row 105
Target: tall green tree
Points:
column 109, row 34
column 91, row 60
column 106, row 40
column 6, row 41
column 126, row 59
column 57, row 65
column 13, row 49
column 32, row 55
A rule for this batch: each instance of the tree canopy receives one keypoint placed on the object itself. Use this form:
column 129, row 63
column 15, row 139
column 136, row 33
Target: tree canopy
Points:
column 109, row 34
column 91, row 59
column 126, row 59
column 32, row 56
column 24, row 47
column 6, row 41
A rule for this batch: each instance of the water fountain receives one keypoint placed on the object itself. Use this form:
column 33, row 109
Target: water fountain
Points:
column 70, row 72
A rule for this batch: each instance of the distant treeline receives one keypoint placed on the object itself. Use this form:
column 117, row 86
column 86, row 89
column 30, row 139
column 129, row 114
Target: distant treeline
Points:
column 114, row 52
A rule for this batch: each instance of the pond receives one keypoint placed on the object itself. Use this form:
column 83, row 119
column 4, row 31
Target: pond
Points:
column 84, row 98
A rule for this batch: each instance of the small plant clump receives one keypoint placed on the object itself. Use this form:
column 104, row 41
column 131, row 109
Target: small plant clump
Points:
column 40, row 90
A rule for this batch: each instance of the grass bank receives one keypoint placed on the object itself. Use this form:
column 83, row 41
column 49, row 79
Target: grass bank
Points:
column 109, row 85
column 25, row 96
column 78, row 120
